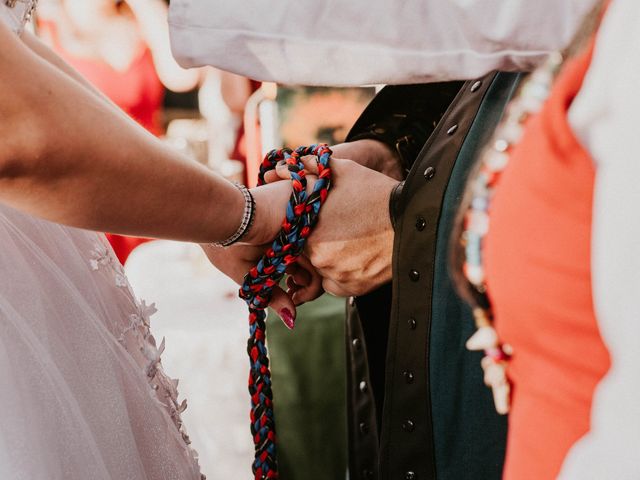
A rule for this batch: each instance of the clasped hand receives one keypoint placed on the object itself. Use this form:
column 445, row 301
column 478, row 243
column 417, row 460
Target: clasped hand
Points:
column 349, row 252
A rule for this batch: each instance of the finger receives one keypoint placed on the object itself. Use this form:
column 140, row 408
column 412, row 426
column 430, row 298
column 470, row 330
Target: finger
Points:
column 307, row 294
column 334, row 288
column 299, row 273
column 310, row 163
column 284, row 307
column 282, row 171
column 308, row 282
column 292, row 287
column 271, row 176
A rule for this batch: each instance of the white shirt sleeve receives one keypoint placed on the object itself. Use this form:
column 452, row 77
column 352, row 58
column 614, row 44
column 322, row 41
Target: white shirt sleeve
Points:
column 606, row 117
column 357, row 42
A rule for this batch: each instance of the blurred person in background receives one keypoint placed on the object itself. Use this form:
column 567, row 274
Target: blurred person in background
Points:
column 236, row 91
column 123, row 49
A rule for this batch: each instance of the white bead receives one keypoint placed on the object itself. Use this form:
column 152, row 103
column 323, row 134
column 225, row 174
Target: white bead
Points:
column 495, row 375
column 501, row 145
column 475, row 274
column 501, row 398
column 484, row 339
column 478, row 222
column 497, row 161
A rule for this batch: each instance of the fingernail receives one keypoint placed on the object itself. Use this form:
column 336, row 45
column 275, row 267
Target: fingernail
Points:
column 287, row 318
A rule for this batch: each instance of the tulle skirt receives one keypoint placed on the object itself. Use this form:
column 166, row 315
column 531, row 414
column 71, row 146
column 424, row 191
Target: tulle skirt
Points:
column 82, row 391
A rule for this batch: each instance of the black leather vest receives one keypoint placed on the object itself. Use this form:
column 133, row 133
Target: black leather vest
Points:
column 418, row 409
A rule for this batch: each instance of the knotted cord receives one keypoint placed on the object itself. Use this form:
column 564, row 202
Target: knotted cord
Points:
column 257, row 290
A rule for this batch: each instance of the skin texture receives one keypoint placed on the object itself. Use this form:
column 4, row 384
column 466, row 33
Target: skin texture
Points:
column 71, row 156
column 68, row 155
column 350, row 250
column 351, row 247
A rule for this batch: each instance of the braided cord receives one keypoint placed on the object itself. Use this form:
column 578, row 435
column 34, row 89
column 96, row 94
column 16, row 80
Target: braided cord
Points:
column 301, row 216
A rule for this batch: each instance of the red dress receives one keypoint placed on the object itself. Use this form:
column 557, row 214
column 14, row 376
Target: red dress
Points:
column 136, row 90
column 538, row 263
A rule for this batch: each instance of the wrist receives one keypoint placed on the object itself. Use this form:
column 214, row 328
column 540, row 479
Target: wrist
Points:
column 388, row 160
column 271, row 202
column 385, row 239
column 246, row 220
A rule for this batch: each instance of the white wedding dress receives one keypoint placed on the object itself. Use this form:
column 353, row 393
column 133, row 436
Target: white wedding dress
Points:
column 82, row 391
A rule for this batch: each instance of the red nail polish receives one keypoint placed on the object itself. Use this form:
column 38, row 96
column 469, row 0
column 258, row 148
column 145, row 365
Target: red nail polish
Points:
column 287, row 318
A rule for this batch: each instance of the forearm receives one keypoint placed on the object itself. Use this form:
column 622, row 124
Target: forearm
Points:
column 67, row 157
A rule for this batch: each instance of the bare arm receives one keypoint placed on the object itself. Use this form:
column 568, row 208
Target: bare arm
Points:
column 68, row 156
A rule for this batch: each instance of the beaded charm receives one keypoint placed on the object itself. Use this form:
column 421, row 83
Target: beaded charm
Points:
column 476, row 224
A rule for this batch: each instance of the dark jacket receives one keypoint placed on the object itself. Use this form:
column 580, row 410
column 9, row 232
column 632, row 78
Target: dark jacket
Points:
column 418, row 408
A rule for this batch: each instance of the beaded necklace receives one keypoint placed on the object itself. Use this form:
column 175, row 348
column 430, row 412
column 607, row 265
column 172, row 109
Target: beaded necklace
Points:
column 476, row 224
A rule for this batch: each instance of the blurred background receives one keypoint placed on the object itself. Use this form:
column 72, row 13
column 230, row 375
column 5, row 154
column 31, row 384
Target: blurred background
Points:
column 227, row 123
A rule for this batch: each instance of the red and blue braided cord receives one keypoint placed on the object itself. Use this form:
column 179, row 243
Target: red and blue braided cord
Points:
column 257, row 290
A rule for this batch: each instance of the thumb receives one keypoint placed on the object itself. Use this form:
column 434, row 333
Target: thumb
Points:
column 283, row 305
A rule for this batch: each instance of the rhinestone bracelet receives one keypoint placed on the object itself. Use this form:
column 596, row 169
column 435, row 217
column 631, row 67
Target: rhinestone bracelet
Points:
column 247, row 218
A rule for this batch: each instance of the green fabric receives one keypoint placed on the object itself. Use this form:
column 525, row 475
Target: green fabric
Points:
column 470, row 435
column 309, row 388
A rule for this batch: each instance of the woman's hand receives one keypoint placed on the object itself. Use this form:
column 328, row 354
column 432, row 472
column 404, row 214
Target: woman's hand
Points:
column 235, row 261
column 303, row 282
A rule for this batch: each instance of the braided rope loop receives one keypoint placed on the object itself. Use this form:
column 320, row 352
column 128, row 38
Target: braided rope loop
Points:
column 257, row 290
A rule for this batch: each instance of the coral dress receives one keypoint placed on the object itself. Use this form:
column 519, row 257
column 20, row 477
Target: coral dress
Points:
column 538, row 259
column 82, row 390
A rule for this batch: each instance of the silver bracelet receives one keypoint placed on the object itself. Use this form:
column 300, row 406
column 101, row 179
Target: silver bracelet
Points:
column 247, row 218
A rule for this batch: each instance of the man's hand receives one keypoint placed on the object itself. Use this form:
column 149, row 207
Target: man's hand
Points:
column 351, row 247
column 371, row 154
column 368, row 153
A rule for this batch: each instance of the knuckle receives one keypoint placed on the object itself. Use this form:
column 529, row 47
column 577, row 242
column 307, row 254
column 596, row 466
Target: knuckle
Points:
column 342, row 276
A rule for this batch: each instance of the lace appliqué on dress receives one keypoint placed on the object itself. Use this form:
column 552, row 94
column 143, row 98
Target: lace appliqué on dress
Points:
column 102, row 256
column 17, row 13
column 139, row 329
